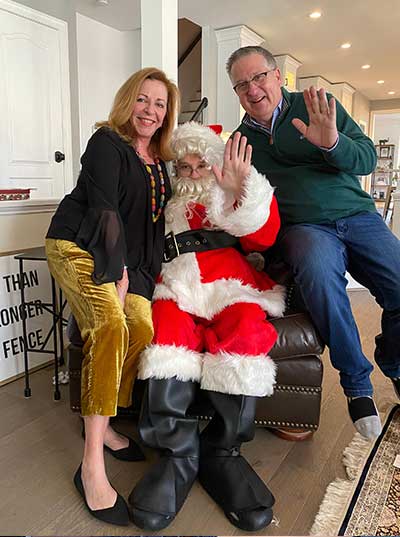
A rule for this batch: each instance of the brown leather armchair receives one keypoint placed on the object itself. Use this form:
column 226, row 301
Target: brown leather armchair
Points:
column 296, row 402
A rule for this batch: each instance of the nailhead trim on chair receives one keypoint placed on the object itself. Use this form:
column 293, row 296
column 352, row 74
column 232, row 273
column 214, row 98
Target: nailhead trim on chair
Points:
column 275, row 423
column 282, row 388
column 289, row 294
column 270, row 423
column 296, row 389
column 286, row 424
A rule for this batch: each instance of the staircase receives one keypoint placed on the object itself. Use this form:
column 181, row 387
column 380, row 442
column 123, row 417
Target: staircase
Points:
column 190, row 108
column 189, row 68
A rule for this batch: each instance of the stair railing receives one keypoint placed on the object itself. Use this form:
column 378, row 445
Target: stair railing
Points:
column 189, row 49
column 199, row 111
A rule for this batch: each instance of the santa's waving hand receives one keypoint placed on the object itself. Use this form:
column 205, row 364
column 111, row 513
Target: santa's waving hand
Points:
column 236, row 167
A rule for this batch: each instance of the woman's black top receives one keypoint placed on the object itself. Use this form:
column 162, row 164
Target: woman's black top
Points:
column 108, row 213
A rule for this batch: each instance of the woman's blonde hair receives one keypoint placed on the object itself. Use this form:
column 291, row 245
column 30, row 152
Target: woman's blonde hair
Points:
column 119, row 119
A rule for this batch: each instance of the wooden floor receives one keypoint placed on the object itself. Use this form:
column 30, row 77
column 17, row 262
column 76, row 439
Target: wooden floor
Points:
column 41, row 446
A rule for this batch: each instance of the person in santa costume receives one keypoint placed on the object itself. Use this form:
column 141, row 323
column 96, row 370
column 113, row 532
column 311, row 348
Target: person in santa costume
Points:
column 210, row 311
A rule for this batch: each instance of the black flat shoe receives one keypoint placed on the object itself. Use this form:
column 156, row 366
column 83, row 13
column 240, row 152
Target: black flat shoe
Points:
column 150, row 521
column 252, row 520
column 118, row 514
column 131, row 453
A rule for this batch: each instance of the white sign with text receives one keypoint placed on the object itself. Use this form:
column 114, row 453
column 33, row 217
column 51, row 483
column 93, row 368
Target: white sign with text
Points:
column 37, row 287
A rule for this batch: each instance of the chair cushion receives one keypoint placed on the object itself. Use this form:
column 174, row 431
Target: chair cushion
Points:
column 296, row 336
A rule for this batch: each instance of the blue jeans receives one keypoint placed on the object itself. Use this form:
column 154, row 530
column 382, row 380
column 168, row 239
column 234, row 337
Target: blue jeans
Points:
column 319, row 256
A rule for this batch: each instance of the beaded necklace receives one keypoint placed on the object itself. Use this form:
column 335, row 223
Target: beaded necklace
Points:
column 155, row 213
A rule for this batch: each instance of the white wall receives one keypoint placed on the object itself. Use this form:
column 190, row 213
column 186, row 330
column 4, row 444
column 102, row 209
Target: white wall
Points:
column 23, row 231
column 361, row 109
column 106, row 58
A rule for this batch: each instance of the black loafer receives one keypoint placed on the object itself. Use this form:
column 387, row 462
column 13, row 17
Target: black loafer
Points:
column 118, row 514
column 130, row 453
column 251, row 520
column 150, row 521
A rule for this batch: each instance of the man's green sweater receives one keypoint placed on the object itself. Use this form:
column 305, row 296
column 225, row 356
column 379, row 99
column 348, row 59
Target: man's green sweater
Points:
column 312, row 185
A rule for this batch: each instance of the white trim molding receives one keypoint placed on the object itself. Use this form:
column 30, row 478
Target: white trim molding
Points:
column 28, row 206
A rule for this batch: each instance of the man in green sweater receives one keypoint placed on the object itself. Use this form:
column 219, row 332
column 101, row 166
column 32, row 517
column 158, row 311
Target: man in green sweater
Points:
column 312, row 151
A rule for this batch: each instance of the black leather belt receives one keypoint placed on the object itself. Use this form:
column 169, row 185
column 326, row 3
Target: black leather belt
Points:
column 198, row 240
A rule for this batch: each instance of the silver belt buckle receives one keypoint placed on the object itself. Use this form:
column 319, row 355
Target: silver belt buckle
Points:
column 167, row 258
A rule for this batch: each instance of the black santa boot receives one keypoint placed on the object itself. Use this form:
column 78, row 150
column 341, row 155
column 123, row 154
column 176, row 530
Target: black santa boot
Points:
column 224, row 473
column 165, row 425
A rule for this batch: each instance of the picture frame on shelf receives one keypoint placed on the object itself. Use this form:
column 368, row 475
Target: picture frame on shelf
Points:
column 384, row 152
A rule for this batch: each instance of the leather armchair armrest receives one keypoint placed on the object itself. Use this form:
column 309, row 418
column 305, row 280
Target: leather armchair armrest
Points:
column 296, row 336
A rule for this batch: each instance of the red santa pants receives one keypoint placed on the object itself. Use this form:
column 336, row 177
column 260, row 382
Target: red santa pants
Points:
column 228, row 353
column 239, row 329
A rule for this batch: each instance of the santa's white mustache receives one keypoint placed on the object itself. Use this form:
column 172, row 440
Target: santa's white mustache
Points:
column 185, row 187
column 186, row 192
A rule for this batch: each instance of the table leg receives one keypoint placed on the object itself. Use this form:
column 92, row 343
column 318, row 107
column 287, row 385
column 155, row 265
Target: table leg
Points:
column 57, row 395
column 60, row 325
column 27, row 390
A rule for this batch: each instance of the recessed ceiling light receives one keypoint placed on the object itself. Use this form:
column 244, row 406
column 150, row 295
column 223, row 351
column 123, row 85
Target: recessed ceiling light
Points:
column 366, row 66
column 346, row 45
column 391, row 92
column 315, row 15
column 102, row 2
column 380, row 81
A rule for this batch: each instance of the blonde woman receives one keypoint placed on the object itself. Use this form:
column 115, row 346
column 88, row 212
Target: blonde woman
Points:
column 104, row 248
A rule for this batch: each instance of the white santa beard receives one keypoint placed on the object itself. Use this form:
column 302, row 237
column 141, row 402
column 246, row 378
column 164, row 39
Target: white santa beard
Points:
column 186, row 191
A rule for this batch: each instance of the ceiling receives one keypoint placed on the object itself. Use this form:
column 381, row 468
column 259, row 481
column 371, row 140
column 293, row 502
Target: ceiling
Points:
column 371, row 26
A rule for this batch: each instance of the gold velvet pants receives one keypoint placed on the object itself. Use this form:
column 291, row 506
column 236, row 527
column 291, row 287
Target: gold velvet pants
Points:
column 113, row 337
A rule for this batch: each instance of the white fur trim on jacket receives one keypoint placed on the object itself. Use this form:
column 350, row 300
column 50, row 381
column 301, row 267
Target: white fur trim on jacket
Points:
column 167, row 361
column 238, row 374
column 182, row 283
column 252, row 211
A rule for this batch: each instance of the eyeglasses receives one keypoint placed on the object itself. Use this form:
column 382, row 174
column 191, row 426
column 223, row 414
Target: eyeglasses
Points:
column 258, row 79
column 185, row 170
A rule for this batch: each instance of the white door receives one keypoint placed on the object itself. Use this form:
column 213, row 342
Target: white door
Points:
column 34, row 102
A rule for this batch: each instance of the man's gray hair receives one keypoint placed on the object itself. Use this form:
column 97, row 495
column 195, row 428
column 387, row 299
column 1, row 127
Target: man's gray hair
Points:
column 245, row 51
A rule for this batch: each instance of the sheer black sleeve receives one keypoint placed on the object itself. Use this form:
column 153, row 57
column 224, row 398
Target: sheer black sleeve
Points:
column 101, row 232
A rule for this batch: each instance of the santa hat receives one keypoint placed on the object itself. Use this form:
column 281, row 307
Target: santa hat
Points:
column 216, row 128
column 194, row 138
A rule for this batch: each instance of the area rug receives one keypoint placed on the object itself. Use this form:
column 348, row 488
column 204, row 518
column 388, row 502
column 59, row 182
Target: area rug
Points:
column 368, row 502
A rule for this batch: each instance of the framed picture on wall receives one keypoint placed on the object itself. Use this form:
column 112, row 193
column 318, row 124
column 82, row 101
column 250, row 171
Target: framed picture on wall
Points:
column 363, row 125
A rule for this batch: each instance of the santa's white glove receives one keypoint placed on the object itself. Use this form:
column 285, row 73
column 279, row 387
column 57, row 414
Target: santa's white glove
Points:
column 256, row 260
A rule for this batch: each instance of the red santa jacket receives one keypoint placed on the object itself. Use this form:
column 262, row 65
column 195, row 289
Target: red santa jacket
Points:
column 204, row 283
